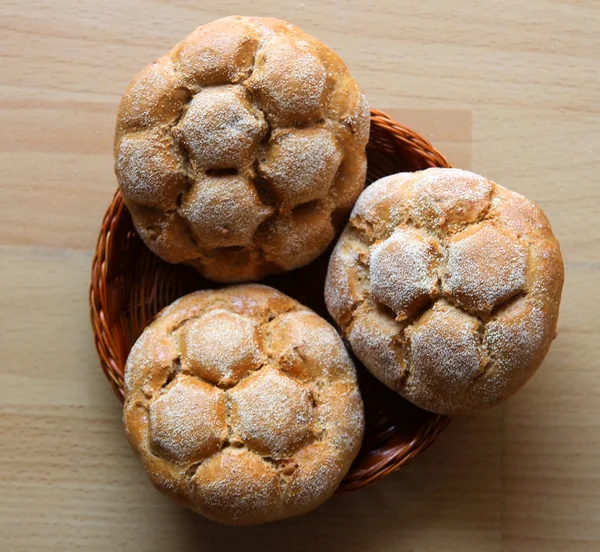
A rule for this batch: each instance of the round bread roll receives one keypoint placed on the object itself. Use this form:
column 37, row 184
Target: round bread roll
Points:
column 447, row 287
column 241, row 151
column 243, row 405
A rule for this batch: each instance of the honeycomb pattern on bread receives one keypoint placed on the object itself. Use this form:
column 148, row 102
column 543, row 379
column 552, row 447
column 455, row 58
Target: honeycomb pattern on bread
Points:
column 233, row 147
column 243, row 404
column 447, row 287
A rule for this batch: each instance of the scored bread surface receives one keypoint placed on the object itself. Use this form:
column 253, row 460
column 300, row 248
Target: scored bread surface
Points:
column 243, row 405
column 447, row 287
column 241, row 150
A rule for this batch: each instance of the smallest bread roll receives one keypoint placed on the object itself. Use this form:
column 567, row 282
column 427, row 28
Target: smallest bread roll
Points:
column 447, row 287
column 243, row 405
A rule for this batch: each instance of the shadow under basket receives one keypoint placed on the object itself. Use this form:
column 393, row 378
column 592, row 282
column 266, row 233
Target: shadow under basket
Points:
column 130, row 285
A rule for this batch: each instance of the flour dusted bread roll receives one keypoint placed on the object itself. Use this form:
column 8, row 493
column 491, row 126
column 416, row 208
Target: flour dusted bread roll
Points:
column 243, row 405
column 241, row 150
column 447, row 287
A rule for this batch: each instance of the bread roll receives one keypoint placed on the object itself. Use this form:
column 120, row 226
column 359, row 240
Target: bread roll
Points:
column 447, row 287
column 240, row 150
column 243, row 405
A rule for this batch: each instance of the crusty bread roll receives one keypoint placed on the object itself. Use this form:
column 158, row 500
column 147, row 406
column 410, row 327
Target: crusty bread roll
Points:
column 447, row 287
column 241, row 150
column 243, row 405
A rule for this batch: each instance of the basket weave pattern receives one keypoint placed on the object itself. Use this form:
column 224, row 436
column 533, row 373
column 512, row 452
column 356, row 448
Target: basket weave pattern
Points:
column 130, row 285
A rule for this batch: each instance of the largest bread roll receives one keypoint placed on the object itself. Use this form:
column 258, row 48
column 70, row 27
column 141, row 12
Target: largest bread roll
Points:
column 241, row 150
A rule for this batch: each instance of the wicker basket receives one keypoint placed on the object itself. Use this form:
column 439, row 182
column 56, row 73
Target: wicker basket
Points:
column 130, row 285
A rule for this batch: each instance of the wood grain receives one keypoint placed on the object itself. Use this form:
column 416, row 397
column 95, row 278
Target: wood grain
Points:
column 509, row 89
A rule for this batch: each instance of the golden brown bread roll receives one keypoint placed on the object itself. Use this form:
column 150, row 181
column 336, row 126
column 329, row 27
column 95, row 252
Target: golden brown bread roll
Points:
column 447, row 287
column 243, row 405
column 241, row 150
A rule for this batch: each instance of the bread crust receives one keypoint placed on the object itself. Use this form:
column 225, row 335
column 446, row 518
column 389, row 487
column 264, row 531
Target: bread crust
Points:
column 243, row 405
column 447, row 287
column 240, row 151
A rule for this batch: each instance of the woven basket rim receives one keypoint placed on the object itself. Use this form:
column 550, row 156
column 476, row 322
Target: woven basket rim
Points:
column 384, row 460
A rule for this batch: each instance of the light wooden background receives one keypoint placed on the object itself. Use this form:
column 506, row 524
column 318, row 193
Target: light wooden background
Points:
column 508, row 88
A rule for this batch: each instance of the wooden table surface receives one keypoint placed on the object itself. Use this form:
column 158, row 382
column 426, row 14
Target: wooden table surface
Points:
column 510, row 89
